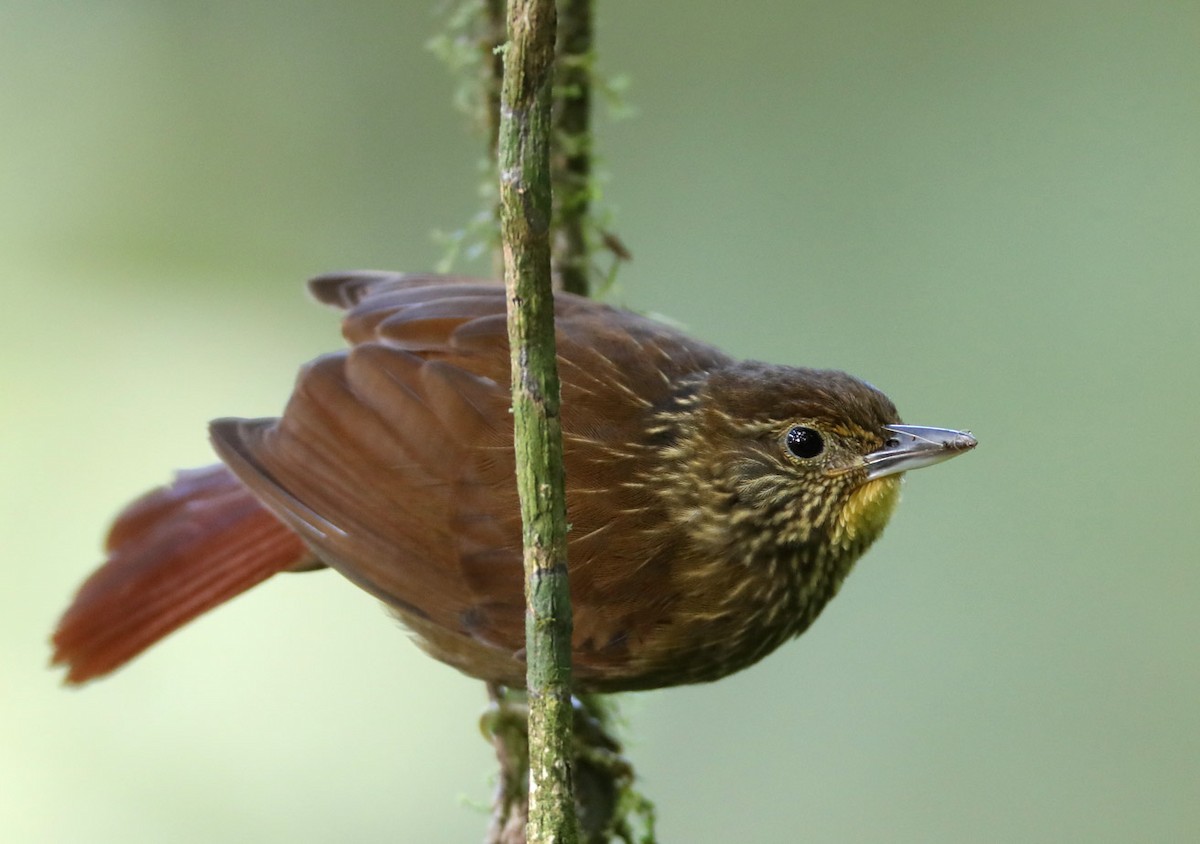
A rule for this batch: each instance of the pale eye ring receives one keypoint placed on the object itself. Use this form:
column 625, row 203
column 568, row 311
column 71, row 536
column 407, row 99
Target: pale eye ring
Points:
column 804, row 443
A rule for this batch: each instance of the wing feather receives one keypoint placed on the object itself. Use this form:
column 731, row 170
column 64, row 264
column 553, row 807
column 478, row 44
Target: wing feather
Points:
column 394, row 460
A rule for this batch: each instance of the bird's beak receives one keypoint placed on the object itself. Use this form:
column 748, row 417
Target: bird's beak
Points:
column 912, row 446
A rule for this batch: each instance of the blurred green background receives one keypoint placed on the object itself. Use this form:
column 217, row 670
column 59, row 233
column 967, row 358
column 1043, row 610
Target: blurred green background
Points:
column 988, row 210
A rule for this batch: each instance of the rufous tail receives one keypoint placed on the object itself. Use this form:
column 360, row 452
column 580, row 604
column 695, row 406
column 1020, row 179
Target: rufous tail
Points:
column 173, row 554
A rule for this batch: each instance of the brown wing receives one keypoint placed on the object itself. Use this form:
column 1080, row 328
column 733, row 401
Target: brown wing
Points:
column 394, row 461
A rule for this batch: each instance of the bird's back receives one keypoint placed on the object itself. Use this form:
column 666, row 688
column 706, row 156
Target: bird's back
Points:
column 394, row 461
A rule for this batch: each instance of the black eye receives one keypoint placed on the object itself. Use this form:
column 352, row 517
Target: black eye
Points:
column 804, row 442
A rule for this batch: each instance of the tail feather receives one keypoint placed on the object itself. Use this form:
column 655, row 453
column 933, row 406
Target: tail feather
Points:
column 173, row 554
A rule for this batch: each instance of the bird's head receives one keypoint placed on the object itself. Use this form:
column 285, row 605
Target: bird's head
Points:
column 763, row 458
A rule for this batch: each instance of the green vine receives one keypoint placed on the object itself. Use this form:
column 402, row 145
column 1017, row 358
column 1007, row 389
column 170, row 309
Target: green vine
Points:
column 467, row 46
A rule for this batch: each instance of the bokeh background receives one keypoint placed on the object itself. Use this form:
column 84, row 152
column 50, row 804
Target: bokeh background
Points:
column 990, row 210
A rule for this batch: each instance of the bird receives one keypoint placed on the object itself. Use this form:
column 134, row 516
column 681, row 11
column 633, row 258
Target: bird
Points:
column 716, row 505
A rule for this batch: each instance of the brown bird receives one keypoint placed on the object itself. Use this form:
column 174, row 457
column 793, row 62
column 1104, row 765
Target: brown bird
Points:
column 716, row 505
